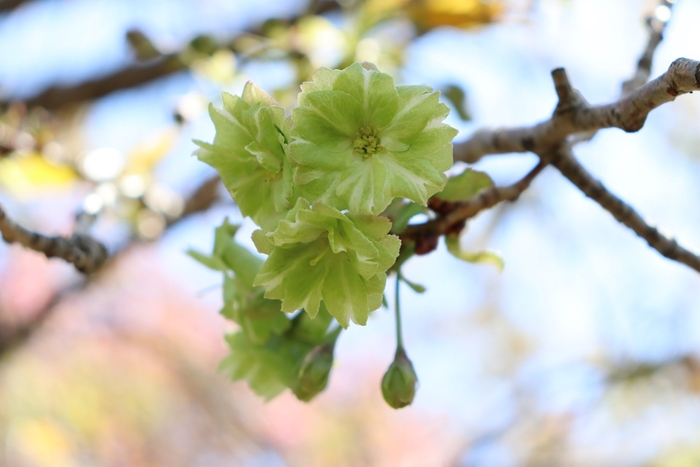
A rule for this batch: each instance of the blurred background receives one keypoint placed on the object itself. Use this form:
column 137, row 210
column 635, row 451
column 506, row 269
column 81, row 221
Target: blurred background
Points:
column 583, row 351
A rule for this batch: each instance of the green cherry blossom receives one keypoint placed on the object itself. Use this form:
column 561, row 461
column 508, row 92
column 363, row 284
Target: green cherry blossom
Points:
column 318, row 253
column 359, row 140
column 249, row 152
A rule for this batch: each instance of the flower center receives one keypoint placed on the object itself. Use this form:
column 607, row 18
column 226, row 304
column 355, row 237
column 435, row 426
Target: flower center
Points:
column 367, row 142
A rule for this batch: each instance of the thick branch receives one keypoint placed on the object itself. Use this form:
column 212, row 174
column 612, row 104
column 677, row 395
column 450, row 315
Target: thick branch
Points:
column 579, row 176
column 629, row 114
column 9, row 5
column 83, row 251
column 136, row 74
column 132, row 76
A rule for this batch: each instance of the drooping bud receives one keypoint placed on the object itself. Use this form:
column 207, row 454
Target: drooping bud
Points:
column 314, row 372
column 400, row 381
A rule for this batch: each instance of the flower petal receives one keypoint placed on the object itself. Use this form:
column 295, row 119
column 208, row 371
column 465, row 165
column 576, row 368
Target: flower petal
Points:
column 375, row 90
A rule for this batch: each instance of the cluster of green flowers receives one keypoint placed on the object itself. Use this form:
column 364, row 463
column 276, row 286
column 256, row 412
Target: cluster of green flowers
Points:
column 317, row 181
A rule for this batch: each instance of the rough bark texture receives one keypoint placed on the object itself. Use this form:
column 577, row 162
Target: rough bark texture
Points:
column 81, row 250
column 628, row 114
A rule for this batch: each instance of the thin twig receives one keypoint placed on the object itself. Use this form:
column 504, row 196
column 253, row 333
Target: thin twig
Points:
column 624, row 213
column 656, row 34
column 201, row 199
column 456, row 213
column 81, row 250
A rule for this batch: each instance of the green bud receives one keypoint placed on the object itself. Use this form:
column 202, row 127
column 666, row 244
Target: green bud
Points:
column 400, row 381
column 313, row 374
column 204, row 44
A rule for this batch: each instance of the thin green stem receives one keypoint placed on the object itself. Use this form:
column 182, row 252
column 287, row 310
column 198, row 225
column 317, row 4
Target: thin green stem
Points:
column 397, row 308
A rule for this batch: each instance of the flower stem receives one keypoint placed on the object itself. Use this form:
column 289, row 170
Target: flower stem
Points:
column 397, row 308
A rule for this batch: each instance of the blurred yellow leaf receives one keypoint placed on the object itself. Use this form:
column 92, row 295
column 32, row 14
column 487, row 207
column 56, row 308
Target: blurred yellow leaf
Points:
column 24, row 174
column 429, row 14
column 146, row 155
column 376, row 8
column 685, row 456
column 43, row 443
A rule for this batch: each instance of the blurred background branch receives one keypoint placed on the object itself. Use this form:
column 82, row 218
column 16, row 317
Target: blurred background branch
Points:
column 9, row 5
column 81, row 250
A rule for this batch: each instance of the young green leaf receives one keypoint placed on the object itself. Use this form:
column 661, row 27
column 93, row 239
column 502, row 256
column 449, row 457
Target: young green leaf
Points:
column 485, row 256
column 465, row 186
column 401, row 212
column 243, row 303
column 417, row 288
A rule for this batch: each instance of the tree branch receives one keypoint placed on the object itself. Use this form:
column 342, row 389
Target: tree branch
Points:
column 628, row 114
column 12, row 337
column 624, row 213
column 451, row 216
column 201, row 199
column 138, row 73
column 656, row 27
column 135, row 75
column 81, row 250
column 9, row 5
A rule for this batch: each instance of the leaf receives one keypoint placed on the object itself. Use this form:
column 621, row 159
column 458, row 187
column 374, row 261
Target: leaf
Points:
column 464, row 14
column 465, row 186
column 149, row 152
column 209, row 261
column 402, row 214
column 244, row 303
column 416, row 287
column 458, row 98
column 485, row 256
column 244, row 264
column 23, row 175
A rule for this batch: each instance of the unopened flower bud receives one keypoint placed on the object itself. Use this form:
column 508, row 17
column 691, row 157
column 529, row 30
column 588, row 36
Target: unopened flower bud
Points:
column 400, row 381
column 313, row 374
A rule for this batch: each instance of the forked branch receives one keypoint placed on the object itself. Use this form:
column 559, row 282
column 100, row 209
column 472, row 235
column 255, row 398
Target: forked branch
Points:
column 629, row 114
